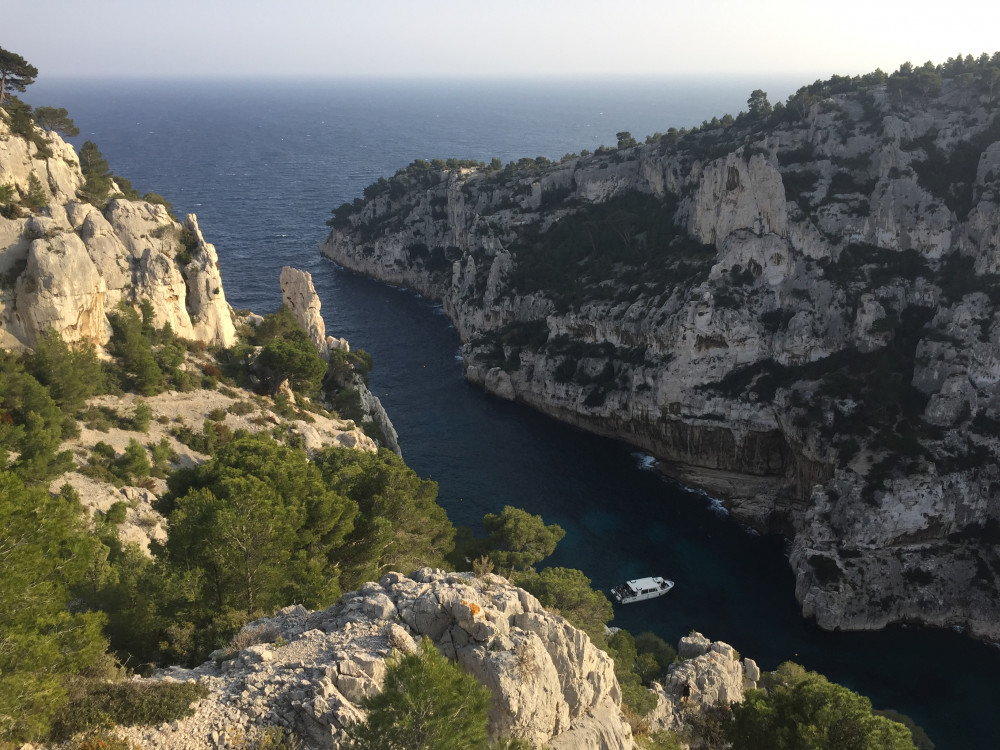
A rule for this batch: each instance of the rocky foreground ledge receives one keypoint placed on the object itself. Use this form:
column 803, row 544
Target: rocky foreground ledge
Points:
column 309, row 671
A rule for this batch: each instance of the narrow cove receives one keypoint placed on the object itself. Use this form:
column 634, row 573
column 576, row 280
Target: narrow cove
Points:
column 624, row 520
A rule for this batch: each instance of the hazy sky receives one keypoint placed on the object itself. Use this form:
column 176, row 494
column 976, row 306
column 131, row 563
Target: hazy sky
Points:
column 502, row 37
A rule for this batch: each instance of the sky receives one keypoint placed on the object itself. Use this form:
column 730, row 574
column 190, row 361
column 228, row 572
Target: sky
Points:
column 499, row 38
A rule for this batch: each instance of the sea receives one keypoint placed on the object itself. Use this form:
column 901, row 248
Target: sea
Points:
column 264, row 162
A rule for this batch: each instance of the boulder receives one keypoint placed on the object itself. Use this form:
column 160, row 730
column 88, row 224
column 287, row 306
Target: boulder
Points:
column 708, row 675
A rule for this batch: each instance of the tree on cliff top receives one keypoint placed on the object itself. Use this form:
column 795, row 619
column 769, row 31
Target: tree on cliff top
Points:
column 800, row 709
column 519, row 539
column 57, row 119
column 16, row 73
column 426, row 703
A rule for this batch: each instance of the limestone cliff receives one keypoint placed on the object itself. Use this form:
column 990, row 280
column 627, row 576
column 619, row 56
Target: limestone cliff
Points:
column 68, row 265
column 299, row 295
column 550, row 685
column 309, row 671
column 797, row 312
column 706, row 675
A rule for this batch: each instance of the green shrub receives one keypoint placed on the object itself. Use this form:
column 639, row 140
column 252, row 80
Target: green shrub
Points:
column 128, row 468
column 35, row 198
column 72, row 374
column 568, row 591
column 131, row 344
column 33, row 425
column 188, row 246
column 648, row 644
column 46, row 641
column 630, row 241
column 7, row 201
column 117, row 513
column 797, row 709
column 162, row 455
column 98, row 705
column 97, row 175
column 426, row 703
column 287, row 353
column 622, row 648
column 157, row 199
column 213, row 435
column 100, row 418
column 241, row 408
column 142, row 415
column 133, row 464
column 344, row 364
column 517, row 539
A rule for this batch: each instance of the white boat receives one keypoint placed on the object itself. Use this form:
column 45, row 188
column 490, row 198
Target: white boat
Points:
column 641, row 589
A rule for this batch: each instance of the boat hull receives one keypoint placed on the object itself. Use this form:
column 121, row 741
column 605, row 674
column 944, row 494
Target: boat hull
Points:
column 641, row 589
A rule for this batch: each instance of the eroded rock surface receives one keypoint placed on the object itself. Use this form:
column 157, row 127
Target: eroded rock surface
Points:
column 549, row 683
column 708, row 675
column 70, row 265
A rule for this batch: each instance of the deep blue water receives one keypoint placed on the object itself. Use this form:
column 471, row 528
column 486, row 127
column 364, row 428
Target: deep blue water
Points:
column 263, row 164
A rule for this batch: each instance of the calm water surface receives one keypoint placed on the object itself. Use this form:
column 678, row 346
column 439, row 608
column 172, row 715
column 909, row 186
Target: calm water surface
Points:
column 263, row 166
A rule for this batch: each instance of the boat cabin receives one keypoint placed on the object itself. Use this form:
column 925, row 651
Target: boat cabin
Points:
column 640, row 589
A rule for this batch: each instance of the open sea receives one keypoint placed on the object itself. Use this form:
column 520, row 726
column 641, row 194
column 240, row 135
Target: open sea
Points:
column 263, row 163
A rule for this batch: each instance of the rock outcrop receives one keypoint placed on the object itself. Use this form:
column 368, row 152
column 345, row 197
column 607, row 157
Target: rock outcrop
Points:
column 299, row 295
column 799, row 315
column 707, row 675
column 70, row 265
column 309, row 671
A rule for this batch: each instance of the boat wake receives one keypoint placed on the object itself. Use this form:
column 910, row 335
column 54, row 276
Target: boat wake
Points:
column 644, row 461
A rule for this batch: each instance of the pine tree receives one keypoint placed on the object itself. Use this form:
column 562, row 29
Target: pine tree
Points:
column 97, row 173
column 426, row 703
column 72, row 374
column 35, row 198
column 16, row 73
column 57, row 119
column 44, row 549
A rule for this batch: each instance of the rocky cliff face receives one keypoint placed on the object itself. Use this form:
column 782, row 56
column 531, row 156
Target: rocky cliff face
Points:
column 798, row 314
column 550, row 685
column 707, row 675
column 70, row 264
column 299, row 295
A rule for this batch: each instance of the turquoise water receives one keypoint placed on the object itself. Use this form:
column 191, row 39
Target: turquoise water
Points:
column 263, row 165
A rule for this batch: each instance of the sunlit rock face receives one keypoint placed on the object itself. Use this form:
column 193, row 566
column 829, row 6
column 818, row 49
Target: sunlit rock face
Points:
column 69, row 265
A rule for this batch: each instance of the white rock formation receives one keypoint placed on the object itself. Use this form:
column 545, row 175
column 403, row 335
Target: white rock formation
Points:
column 299, row 295
column 549, row 683
column 70, row 265
column 707, row 675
